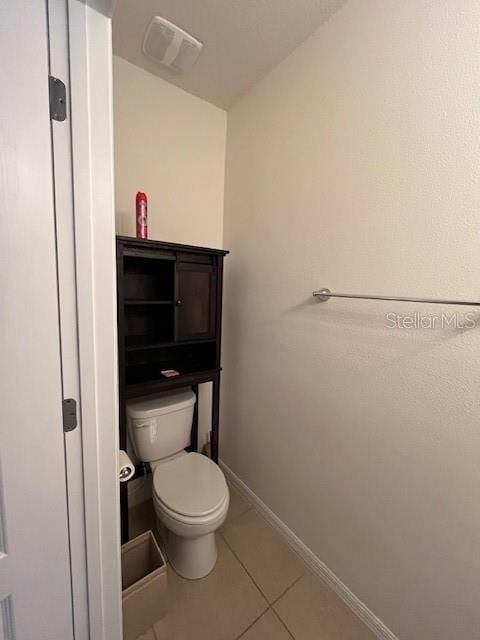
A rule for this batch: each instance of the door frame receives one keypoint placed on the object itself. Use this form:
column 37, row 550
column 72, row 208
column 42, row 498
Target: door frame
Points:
column 90, row 48
column 57, row 20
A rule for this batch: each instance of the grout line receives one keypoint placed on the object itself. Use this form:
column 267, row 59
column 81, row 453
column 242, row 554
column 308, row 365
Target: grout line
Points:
column 267, row 524
column 253, row 579
column 288, row 589
column 283, row 623
column 245, row 569
column 270, row 608
column 251, row 625
column 253, row 507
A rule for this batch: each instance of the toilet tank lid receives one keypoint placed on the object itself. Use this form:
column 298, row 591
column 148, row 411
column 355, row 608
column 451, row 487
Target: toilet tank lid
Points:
column 160, row 404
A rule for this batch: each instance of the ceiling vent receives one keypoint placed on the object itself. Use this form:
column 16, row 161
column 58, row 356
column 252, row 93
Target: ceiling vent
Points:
column 171, row 46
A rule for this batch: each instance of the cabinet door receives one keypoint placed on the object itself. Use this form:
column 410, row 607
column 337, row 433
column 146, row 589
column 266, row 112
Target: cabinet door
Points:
column 195, row 301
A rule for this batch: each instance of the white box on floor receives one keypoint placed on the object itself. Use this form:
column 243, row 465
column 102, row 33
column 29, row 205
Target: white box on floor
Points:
column 144, row 585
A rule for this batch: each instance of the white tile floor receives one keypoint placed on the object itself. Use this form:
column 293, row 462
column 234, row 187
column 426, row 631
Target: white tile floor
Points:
column 259, row 589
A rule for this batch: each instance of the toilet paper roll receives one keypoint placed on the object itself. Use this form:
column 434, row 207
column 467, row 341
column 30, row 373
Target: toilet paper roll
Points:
column 126, row 468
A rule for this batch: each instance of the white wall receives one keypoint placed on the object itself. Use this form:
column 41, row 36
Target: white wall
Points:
column 171, row 145
column 355, row 165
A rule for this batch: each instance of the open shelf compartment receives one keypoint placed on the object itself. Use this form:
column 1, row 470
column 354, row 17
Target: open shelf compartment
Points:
column 148, row 280
column 147, row 324
column 145, row 366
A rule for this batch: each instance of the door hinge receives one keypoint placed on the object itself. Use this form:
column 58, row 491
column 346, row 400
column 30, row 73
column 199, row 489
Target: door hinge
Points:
column 58, row 99
column 69, row 411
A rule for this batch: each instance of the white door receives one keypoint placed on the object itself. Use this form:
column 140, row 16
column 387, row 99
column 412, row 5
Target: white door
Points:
column 35, row 576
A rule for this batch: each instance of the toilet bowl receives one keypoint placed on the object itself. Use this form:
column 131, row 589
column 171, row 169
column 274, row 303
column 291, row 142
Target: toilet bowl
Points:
column 191, row 499
column 190, row 494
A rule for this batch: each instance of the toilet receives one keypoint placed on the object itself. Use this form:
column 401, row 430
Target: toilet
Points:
column 190, row 494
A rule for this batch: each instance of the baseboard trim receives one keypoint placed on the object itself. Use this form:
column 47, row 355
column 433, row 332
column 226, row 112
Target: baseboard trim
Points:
column 316, row 565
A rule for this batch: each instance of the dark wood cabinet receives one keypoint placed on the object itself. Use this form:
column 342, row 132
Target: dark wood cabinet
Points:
column 195, row 301
column 169, row 317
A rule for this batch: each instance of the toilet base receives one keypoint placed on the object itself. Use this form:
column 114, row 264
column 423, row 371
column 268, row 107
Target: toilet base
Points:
column 192, row 558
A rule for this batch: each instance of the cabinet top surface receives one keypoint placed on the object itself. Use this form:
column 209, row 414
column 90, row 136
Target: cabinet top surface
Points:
column 171, row 246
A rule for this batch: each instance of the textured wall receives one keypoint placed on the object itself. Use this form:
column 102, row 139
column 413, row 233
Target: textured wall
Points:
column 355, row 165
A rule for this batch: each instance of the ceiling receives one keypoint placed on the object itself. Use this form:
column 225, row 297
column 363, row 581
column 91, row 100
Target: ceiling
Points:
column 243, row 39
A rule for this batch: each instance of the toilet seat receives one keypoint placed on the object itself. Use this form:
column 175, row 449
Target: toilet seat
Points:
column 192, row 521
column 190, row 488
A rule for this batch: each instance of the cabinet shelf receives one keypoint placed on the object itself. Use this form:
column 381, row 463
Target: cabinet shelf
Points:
column 183, row 380
column 140, row 301
column 141, row 343
column 143, row 366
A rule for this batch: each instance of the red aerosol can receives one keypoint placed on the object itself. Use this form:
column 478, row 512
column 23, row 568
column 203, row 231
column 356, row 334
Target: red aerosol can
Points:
column 141, row 213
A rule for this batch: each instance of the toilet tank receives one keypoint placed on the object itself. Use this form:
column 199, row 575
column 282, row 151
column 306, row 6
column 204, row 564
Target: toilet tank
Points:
column 160, row 425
